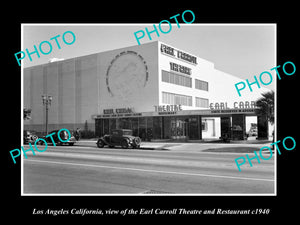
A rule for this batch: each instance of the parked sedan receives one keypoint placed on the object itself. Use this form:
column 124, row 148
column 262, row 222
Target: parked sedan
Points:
column 29, row 137
column 63, row 136
column 121, row 137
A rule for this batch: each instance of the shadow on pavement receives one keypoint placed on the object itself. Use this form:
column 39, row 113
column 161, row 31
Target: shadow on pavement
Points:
column 241, row 149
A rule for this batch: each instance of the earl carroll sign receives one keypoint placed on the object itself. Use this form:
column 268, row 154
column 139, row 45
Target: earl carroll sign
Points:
column 236, row 105
column 118, row 111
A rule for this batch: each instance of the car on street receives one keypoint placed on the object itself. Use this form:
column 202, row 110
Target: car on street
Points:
column 29, row 137
column 252, row 132
column 119, row 137
column 63, row 136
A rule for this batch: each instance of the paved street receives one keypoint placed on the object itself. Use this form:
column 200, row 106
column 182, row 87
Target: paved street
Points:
column 179, row 169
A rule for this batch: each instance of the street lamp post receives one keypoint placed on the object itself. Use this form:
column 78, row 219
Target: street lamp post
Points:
column 47, row 102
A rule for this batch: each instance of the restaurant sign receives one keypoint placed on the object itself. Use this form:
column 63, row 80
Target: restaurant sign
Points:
column 117, row 113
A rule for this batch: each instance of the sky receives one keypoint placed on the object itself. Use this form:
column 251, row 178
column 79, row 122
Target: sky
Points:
column 243, row 50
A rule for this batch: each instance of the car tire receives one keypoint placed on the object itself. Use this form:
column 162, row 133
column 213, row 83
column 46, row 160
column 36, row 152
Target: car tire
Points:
column 34, row 138
column 100, row 143
column 136, row 142
column 125, row 143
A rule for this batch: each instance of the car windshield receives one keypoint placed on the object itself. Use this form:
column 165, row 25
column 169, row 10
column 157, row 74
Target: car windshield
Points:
column 64, row 135
column 127, row 132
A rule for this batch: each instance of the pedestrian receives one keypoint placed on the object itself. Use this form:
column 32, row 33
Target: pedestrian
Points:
column 77, row 134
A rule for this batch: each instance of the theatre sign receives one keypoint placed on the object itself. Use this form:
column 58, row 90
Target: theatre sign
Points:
column 167, row 109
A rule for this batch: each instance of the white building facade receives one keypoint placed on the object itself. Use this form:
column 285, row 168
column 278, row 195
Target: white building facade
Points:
column 157, row 90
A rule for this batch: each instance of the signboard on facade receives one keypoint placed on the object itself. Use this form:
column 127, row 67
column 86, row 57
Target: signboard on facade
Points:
column 117, row 115
column 168, row 108
column 233, row 111
column 118, row 111
column 178, row 54
column 179, row 68
column 236, row 105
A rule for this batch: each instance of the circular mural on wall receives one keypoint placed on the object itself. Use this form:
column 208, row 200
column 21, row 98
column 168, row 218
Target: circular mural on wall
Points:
column 126, row 75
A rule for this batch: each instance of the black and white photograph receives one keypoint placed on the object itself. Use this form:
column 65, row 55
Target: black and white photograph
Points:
column 132, row 112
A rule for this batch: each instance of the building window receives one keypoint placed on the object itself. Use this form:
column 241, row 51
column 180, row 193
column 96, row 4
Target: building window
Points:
column 177, row 79
column 201, row 102
column 176, row 99
column 201, row 85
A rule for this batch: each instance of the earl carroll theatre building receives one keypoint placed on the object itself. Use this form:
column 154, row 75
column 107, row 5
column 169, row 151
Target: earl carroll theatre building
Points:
column 157, row 90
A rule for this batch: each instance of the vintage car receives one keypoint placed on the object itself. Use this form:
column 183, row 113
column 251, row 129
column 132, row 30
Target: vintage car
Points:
column 121, row 137
column 63, row 136
column 252, row 132
column 29, row 137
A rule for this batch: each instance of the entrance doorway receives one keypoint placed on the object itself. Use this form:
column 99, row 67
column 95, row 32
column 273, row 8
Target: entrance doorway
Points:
column 179, row 128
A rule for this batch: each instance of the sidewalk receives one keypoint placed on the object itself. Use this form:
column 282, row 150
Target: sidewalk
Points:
column 199, row 145
column 144, row 145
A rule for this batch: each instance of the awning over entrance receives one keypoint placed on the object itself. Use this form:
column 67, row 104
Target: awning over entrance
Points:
column 204, row 112
column 186, row 124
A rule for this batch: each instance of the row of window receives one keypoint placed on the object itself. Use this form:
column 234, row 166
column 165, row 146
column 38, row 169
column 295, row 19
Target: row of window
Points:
column 176, row 99
column 174, row 78
column 201, row 102
column 201, row 85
